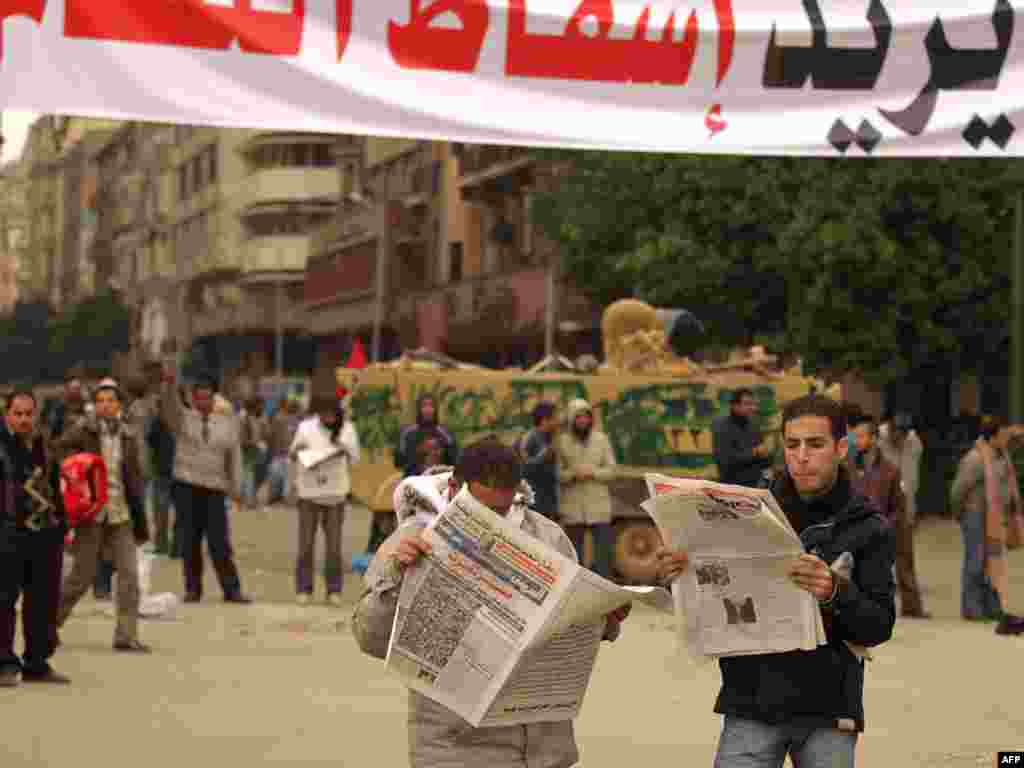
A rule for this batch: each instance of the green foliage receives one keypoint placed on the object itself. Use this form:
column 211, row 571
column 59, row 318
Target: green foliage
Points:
column 882, row 266
column 38, row 345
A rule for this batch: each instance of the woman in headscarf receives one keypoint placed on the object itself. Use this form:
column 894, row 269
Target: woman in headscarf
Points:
column 986, row 498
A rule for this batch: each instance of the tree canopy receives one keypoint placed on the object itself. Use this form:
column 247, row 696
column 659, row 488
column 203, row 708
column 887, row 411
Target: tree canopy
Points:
column 880, row 266
column 40, row 345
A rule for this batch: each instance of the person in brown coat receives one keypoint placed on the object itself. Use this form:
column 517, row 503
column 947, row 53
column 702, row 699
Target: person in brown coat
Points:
column 875, row 478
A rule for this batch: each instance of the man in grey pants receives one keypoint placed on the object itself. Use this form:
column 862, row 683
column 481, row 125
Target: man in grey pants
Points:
column 323, row 491
column 121, row 524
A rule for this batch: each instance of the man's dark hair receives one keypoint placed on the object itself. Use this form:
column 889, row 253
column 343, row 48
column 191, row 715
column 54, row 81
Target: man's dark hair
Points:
column 740, row 393
column 490, row 462
column 136, row 387
column 817, row 405
column 990, row 426
column 21, row 391
column 860, row 417
column 543, row 411
column 205, row 381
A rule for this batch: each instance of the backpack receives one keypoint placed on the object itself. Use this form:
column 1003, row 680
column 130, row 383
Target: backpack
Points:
column 83, row 484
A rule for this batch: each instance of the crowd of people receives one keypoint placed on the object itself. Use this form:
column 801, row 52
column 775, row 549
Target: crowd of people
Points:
column 846, row 483
column 186, row 454
column 884, row 465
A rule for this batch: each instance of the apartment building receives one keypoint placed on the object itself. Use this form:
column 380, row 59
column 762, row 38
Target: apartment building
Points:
column 442, row 237
column 242, row 204
column 58, row 163
column 14, row 226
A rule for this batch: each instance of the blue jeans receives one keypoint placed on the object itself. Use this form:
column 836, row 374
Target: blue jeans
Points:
column 604, row 541
column 278, row 478
column 977, row 598
column 751, row 744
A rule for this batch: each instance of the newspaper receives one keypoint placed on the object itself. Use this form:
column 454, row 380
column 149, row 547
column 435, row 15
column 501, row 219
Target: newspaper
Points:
column 311, row 459
column 499, row 627
column 735, row 598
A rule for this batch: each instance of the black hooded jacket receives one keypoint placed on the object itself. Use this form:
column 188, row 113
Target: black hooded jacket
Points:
column 821, row 687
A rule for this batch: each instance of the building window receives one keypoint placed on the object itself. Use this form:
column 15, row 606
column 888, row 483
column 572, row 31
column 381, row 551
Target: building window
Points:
column 212, row 165
column 198, row 173
column 183, row 182
column 292, row 156
column 454, row 262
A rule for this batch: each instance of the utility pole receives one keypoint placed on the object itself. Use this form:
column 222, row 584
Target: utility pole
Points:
column 383, row 217
column 551, row 307
column 1017, row 327
column 279, row 324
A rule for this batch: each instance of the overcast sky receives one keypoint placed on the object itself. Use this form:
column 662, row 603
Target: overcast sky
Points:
column 15, row 129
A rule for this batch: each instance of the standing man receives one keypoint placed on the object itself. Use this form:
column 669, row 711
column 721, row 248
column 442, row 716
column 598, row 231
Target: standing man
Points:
column 407, row 452
column 809, row 704
column 426, row 426
column 323, row 493
column 32, row 527
column 881, row 483
column 739, row 448
column 540, row 459
column 902, row 447
column 120, row 525
column 283, row 427
column 207, row 471
column 587, row 466
column 70, row 409
column 160, row 441
column 255, row 445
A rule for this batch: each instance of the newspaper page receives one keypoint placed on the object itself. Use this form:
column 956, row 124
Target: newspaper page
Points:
column 497, row 626
column 735, row 598
column 310, row 458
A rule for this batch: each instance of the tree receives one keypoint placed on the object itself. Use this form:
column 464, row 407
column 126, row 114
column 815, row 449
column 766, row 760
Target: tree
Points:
column 89, row 333
column 880, row 266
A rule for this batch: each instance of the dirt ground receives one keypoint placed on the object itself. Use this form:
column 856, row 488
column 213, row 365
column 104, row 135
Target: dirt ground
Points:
column 279, row 684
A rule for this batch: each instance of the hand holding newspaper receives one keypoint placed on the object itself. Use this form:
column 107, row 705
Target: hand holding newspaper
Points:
column 310, row 458
column 735, row 597
column 496, row 625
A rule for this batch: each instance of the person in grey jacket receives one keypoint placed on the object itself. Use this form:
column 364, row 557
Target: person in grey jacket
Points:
column 739, row 450
column 207, row 471
column 438, row 738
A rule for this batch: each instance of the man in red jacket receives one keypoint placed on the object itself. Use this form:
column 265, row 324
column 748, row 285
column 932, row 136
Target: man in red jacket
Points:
column 881, row 483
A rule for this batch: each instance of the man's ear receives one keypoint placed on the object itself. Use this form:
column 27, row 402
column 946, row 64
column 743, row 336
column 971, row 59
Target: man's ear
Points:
column 843, row 447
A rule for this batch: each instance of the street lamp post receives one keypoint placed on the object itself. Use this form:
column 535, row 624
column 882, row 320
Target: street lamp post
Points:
column 279, row 321
column 1017, row 328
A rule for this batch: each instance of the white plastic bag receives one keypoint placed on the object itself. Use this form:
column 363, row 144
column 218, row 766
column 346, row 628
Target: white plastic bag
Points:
column 145, row 571
column 160, row 606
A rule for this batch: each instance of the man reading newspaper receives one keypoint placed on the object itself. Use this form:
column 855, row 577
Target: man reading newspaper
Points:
column 809, row 704
column 438, row 738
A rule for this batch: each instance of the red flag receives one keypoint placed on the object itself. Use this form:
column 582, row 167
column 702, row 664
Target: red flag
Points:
column 357, row 358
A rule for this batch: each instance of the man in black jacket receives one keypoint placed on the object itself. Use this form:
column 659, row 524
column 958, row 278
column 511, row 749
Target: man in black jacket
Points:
column 32, row 527
column 809, row 704
column 739, row 450
column 540, row 459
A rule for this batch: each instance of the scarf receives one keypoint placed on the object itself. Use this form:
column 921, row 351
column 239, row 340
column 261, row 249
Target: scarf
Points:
column 995, row 523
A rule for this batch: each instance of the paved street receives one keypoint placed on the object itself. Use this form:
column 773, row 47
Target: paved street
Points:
column 278, row 684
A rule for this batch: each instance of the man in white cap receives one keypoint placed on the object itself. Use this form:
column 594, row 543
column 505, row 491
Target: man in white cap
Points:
column 120, row 525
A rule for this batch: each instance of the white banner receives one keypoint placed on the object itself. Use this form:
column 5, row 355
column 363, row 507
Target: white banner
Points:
column 827, row 77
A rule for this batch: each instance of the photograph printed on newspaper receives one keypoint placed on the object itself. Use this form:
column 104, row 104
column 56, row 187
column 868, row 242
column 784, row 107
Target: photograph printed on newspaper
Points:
column 735, row 598
column 499, row 627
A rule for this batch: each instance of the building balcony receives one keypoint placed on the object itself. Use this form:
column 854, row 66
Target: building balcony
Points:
column 340, row 274
column 267, row 256
column 314, row 186
column 487, row 174
column 352, row 224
